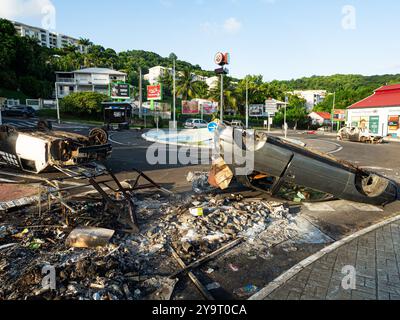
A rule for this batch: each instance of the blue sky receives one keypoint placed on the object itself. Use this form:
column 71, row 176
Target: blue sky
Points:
column 280, row 39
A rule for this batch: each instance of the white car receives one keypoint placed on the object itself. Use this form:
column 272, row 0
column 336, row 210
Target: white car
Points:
column 358, row 135
column 196, row 124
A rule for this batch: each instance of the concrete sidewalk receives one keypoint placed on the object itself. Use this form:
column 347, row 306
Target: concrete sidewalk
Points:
column 373, row 252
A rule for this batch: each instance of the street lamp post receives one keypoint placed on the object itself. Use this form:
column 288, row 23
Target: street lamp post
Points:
column 247, row 103
column 222, row 98
column 140, row 94
column 58, row 104
column 333, row 112
column 174, row 99
column 285, row 123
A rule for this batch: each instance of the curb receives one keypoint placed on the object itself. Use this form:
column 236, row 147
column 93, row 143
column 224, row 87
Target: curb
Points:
column 144, row 137
column 287, row 276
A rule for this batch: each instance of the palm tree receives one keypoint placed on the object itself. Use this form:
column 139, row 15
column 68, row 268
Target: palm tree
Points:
column 201, row 90
column 230, row 99
column 186, row 86
column 85, row 44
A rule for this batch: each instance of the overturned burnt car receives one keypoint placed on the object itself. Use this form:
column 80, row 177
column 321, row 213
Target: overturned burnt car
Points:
column 276, row 162
column 35, row 150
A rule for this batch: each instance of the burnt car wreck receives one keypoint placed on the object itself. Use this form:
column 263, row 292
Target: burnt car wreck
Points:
column 35, row 150
column 278, row 162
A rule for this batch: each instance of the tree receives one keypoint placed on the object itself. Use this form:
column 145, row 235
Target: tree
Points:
column 83, row 103
column 185, row 85
column 168, row 83
column 173, row 57
column 230, row 98
column 296, row 113
column 201, row 90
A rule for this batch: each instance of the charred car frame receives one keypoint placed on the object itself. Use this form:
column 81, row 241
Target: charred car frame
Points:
column 278, row 162
column 35, row 150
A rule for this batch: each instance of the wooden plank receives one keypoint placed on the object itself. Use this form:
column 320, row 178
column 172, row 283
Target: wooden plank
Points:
column 192, row 277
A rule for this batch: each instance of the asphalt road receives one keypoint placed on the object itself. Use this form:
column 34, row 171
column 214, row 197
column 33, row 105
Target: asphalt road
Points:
column 336, row 219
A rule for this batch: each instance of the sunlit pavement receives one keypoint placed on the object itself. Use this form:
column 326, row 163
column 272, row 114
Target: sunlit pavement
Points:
column 364, row 267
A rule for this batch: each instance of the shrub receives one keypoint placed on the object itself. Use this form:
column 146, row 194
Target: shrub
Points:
column 83, row 103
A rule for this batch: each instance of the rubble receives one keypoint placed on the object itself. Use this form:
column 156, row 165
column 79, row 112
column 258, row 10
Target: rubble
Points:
column 128, row 266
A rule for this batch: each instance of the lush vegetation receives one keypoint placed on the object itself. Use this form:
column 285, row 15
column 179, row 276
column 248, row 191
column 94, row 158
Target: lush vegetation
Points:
column 83, row 103
column 28, row 70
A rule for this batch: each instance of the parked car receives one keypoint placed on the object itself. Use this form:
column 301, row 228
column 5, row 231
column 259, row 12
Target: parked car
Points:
column 19, row 111
column 358, row 135
column 237, row 124
column 196, row 124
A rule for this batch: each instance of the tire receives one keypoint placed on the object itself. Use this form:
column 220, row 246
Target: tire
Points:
column 98, row 136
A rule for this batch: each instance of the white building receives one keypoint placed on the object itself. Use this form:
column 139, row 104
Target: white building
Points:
column 380, row 112
column 212, row 82
column 45, row 38
column 156, row 72
column 320, row 118
column 313, row 97
column 86, row 80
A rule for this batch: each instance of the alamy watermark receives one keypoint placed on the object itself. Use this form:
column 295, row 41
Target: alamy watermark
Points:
column 49, row 17
column 349, row 282
column 349, row 19
column 49, row 281
column 197, row 148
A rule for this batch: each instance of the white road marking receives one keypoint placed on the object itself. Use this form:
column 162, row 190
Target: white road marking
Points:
column 338, row 146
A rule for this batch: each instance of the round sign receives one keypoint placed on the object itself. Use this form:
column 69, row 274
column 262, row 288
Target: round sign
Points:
column 212, row 126
column 219, row 58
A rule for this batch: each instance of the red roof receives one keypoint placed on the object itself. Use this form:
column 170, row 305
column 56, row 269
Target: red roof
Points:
column 324, row 115
column 386, row 96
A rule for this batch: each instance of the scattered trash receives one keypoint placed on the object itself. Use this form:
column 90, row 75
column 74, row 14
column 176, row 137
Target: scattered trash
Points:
column 213, row 286
column 89, row 237
column 233, row 267
column 220, row 175
column 36, row 244
column 246, row 291
column 210, row 271
column 197, row 212
column 165, row 288
column 116, row 265
column 21, row 234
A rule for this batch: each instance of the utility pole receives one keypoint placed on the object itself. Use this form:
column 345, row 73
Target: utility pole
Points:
column 247, row 103
column 58, row 104
column 285, row 123
column 222, row 99
column 333, row 111
column 174, row 100
column 140, row 94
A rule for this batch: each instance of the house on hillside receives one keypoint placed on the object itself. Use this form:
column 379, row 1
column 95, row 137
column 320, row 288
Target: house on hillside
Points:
column 312, row 97
column 87, row 80
column 322, row 119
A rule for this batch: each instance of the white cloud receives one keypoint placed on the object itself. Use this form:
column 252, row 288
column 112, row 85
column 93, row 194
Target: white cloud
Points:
column 13, row 9
column 166, row 3
column 232, row 25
